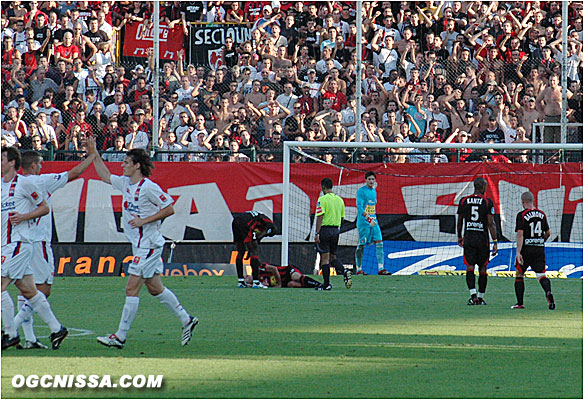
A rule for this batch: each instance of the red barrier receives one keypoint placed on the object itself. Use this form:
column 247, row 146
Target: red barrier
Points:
column 207, row 194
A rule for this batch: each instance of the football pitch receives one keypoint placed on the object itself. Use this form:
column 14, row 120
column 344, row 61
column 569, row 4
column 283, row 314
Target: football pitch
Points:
column 387, row 337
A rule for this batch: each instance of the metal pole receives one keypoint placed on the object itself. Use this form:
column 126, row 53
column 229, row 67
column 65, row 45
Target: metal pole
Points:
column 359, row 50
column 285, row 205
column 155, row 77
column 564, row 70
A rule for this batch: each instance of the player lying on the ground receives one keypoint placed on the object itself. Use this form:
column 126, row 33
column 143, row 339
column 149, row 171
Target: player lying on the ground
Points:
column 284, row 276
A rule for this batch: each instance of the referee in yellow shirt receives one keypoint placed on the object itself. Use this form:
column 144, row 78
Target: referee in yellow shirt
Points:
column 330, row 211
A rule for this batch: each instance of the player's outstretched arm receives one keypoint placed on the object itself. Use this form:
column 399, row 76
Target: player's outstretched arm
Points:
column 100, row 167
column 80, row 168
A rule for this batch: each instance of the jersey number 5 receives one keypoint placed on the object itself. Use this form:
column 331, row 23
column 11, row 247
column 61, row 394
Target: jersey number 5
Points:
column 474, row 213
column 535, row 229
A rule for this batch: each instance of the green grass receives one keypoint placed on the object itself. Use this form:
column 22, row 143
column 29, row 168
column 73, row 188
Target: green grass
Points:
column 388, row 337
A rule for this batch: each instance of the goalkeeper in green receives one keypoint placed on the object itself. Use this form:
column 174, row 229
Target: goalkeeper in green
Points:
column 367, row 225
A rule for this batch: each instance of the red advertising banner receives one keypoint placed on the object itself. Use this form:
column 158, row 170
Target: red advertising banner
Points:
column 139, row 37
column 415, row 200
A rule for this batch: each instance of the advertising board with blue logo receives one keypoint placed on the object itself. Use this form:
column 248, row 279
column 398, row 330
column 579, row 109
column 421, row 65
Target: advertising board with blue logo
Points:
column 563, row 260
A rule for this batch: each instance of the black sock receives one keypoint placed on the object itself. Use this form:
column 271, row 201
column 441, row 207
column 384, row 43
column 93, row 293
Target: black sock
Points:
column 239, row 267
column 255, row 268
column 326, row 273
column 482, row 282
column 519, row 290
column 470, row 279
column 339, row 267
column 308, row 282
column 546, row 284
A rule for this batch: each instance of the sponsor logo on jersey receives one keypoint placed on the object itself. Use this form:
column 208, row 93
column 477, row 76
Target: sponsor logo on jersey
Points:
column 34, row 195
column 162, row 197
column 3, row 259
column 8, row 205
column 136, row 260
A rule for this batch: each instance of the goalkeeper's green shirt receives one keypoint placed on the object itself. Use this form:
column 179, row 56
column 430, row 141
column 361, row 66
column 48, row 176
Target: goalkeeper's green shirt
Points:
column 332, row 209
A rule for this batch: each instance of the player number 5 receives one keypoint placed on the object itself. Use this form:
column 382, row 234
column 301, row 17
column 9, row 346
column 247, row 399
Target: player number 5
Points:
column 474, row 213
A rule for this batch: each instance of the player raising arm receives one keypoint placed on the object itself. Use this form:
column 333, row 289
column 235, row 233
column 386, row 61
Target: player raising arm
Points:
column 144, row 207
column 330, row 212
column 43, row 263
column 367, row 225
column 248, row 230
column 22, row 204
column 476, row 215
column 532, row 230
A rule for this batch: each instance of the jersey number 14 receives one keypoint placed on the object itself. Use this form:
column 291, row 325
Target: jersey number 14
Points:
column 535, row 228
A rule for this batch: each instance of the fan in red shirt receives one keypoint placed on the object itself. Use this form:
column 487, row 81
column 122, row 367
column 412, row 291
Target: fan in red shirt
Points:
column 34, row 13
column 67, row 51
column 338, row 98
column 86, row 129
column 253, row 10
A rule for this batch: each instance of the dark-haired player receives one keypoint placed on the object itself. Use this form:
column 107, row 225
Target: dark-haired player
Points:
column 532, row 230
column 367, row 224
column 284, row 276
column 248, row 230
column 476, row 214
column 22, row 204
column 43, row 264
column 330, row 212
column 144, row 207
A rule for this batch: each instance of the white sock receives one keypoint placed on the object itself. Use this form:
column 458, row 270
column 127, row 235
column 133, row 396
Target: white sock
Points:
column 128, row 314
column 380, row 267
column 41, row 306
column 27, row 323
column 171, row 302
column 8, row 314
column 481, row 295
column 473, row 291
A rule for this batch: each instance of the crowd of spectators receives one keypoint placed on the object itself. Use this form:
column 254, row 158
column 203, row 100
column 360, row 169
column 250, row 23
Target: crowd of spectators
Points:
column 447, row 71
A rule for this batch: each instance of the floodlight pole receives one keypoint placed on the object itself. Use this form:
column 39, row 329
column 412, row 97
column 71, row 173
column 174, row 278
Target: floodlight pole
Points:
column 564, row 120
column 359, row 50
column 155, row 78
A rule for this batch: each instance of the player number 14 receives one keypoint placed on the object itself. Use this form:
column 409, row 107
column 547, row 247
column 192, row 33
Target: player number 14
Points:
column 535, row 228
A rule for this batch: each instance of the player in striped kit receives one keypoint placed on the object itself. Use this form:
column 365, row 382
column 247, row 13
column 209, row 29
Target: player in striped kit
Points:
column 532, row 230
column 22, row 204
column 43, row 263
column 144, row 207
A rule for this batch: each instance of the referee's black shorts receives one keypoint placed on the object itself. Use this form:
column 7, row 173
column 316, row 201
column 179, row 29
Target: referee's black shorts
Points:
column 329, row 239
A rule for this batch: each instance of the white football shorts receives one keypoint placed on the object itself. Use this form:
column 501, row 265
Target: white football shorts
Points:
column 146, row 262
column 43, row 263
column 16, row 258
